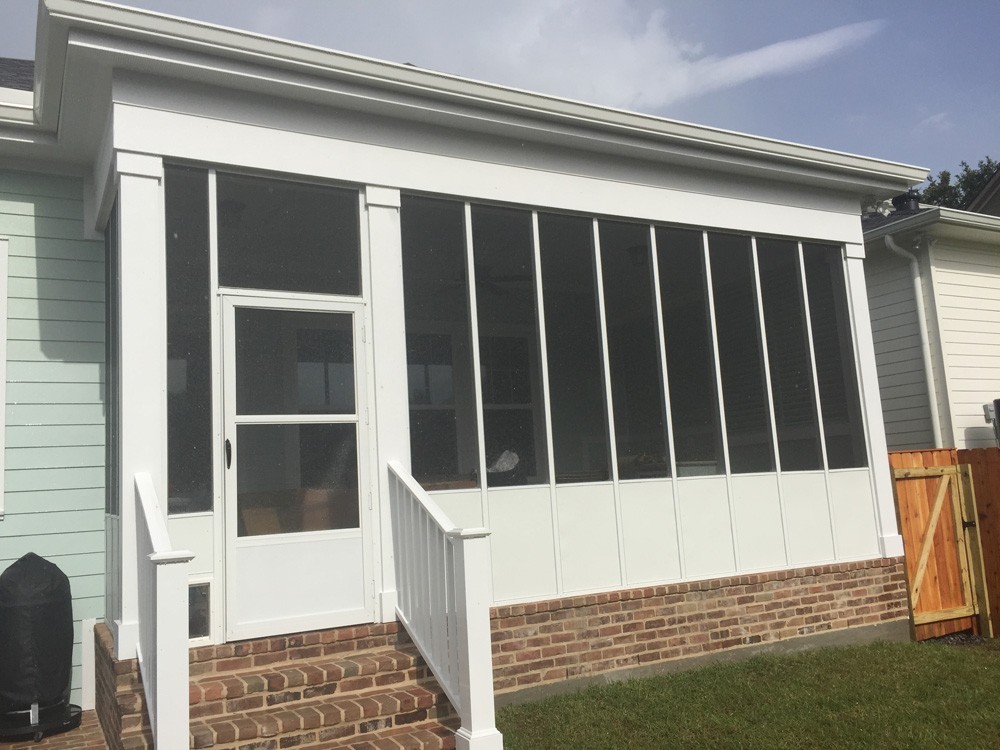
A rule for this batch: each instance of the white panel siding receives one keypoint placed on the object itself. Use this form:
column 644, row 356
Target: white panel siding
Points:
column 649, row 531
column 524, row 565
column 706, row 527
column 807, row 514
column 588, row 541
column 853, row 509
column 758, row 522
column 967, row 284
column 54, row 471
column 464, row 507
column 902, row 383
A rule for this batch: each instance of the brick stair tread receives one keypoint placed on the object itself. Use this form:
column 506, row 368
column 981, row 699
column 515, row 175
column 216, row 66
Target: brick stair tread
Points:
column 357, row 671
column 433, row 736
column 410, row 702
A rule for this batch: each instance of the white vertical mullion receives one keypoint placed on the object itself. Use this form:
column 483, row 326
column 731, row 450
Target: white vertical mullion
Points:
column 668, row 415
column 4, row 249
column 609, row 405
column 544, row 355
column 217, row 592
column 759, row 301
column 477, row 377
column 720, row 399
column 819, row 407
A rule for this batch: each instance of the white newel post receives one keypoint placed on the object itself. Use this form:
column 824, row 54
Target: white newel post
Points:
column 388, row 344
column 472, row 574
column 172, row 716
column 890, row 541
column 143, row 362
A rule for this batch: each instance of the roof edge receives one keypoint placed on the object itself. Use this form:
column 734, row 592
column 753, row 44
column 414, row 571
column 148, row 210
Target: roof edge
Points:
column 56, row 16
column 948, row 217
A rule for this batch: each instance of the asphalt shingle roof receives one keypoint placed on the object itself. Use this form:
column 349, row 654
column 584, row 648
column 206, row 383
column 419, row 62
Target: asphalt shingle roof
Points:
column 17, row 74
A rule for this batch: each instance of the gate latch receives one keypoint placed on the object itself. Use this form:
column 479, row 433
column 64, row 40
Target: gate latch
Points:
column 968, row 524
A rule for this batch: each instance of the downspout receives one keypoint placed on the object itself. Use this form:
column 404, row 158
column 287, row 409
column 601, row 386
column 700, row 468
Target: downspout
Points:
column 925, row 346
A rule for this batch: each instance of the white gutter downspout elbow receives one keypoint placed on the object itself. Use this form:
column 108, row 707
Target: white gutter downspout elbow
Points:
column 925, row 346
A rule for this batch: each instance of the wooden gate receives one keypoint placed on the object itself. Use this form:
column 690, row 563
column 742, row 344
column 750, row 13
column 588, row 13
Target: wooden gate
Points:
column 944, row 560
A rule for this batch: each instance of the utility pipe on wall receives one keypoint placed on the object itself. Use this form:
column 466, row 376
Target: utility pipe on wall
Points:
column 925, row 346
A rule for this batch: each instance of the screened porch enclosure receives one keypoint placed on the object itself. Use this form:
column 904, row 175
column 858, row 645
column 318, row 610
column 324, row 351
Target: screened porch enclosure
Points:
column 625, row 402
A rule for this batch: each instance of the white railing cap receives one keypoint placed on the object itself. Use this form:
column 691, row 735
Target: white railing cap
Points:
column 476, row 532
column 173, row 556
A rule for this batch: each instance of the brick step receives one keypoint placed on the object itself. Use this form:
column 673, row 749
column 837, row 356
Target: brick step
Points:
column 332, row 717
column 433, row 737
column 240, row 691
column 263, row 652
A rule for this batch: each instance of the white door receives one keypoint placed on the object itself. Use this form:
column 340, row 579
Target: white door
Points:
column 296, row 470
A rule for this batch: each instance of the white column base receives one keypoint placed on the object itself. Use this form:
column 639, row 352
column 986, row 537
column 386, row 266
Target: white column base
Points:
column 891, row 545
column 489, row 739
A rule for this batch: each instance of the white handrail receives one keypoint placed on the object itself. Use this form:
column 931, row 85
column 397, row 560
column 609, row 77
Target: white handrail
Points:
column 443, row 586
column 162, row 650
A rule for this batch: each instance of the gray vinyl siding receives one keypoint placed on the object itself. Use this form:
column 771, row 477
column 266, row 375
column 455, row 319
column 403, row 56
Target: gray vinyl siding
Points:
column 967, row 287
column 54, row 454
column 901, row 378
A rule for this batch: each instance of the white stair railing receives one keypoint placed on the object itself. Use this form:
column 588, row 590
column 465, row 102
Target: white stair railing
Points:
column 162, row 650
column 443, row 588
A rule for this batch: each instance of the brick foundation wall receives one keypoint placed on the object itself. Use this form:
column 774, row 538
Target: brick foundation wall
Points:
column 581, row 636
column 116, row 681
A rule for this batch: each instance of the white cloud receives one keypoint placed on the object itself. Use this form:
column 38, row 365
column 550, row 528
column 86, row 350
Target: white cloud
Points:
column 939, row 122
column 609, row 51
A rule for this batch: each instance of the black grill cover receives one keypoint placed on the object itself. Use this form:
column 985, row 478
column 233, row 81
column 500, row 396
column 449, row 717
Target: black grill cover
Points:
column 36, row 635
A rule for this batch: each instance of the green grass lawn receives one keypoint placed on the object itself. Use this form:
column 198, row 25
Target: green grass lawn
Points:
column 902, row 695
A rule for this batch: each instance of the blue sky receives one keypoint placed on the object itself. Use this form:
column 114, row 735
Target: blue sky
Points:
column 917, row 81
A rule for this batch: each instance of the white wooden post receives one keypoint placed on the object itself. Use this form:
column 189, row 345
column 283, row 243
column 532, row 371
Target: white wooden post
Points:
column 472, row 567
column 143, row 363
column 388, row 344
column 890, row 540
column 172, row 717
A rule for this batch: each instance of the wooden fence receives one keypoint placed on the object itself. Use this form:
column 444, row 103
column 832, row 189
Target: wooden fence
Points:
column 939, row 522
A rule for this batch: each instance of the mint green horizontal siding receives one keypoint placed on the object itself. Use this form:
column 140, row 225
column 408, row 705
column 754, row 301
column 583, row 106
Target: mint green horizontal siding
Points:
column 52, row 501
column 39, row 207
column 39, row 310
column 54, row 471
column 33, row 185
column 55, row 289
column 54, row 457
column 27, row 436
column 54, row 393
column 35, row 247
column 55, row 268
column 71, row 478
column 42, row 330
column 54, row 348
column 55, row 372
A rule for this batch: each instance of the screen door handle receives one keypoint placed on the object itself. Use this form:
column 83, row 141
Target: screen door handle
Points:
column 229, row 453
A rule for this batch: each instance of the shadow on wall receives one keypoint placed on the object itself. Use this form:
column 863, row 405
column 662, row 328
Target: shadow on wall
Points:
column 980, row 437
column 56, row 406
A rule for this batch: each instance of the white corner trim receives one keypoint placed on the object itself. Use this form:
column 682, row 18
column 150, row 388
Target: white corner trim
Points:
column 381, row 196
column 892, row 545
column 88, row 685
column 852, row 250
column 138, row 165
column 4, row 247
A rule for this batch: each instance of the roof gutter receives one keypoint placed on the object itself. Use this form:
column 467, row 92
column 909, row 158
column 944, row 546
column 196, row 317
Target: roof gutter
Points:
column 925, row 347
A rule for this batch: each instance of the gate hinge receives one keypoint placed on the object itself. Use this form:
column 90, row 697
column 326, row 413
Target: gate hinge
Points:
column 968, row 524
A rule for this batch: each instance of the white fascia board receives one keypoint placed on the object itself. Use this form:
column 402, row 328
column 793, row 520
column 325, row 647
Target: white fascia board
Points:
column 278, row 55
column 944, row 222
